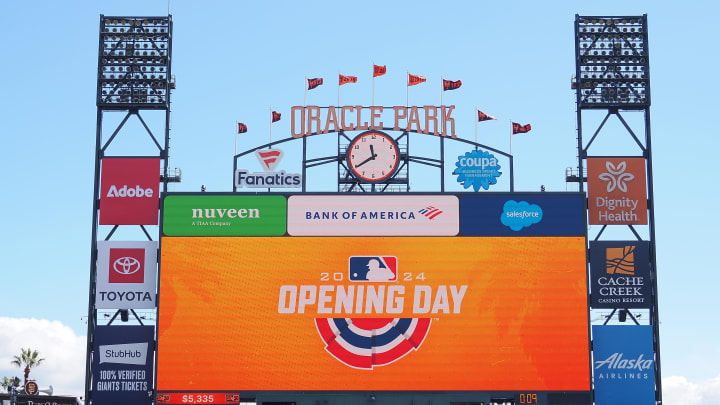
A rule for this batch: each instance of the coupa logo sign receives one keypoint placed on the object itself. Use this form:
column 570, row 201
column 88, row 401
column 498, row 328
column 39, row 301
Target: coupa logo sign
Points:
column 477, row 169
column 372, row 285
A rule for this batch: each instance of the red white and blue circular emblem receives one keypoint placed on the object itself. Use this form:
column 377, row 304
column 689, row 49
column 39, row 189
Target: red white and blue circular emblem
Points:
column 366, row 343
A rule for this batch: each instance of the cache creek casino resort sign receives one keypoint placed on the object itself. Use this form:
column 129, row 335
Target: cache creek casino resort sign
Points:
column 384, row 293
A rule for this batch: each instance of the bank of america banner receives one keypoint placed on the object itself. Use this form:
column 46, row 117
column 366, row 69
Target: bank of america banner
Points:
column 620, row 274
column 624, row 365
column 123, row 365
column 126, row 274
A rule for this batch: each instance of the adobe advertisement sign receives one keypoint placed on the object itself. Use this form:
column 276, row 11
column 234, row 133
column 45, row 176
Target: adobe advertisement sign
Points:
column 126, row 274
column 129, row 191
column 325, row 215
column 374, row 313
column 620, row 274
column 624, row 369
column 224, row 215
column 123, row 365
column 617, row 191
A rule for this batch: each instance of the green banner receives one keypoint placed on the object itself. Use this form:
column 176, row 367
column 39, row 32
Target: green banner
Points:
column 224, row 215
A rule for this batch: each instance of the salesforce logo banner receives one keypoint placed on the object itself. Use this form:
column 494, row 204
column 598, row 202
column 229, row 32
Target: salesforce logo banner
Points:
column 122, row 365
column 519, row 214
column 623, row 366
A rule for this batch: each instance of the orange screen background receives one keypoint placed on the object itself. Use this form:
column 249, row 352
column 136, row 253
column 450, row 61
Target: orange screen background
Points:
column 523, row 323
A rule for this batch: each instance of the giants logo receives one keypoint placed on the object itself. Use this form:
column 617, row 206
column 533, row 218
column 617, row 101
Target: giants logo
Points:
column 129, row 190
column 126, row 266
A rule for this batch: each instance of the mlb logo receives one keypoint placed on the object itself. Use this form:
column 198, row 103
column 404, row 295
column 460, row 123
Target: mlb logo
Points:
column 373, row 268
column 126, row 265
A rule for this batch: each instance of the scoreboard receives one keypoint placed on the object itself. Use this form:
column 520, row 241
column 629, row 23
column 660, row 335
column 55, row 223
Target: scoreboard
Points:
column 455, row 298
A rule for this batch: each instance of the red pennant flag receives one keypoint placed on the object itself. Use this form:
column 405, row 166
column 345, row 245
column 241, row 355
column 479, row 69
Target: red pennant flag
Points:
column 520, row 129
column 312, row 83
column 242, row 128
column 347, row 79
column 484, row 117
column 379, row 70
column 414, row 79
column 451, row 85
column 276, row 116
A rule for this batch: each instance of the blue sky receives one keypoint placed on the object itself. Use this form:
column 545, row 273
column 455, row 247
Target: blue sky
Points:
column 235, row 61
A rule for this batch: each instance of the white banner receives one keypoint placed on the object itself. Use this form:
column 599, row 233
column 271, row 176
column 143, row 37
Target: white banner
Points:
column 126, row 275
column 357, row 215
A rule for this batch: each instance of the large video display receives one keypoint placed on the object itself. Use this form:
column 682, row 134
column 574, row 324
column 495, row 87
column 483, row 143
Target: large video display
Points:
column 506, row 310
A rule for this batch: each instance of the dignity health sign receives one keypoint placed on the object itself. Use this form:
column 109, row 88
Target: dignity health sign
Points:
column 617, row 191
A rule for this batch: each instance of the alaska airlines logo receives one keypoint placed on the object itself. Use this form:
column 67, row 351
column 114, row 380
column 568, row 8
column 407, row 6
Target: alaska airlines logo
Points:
column 269, row 158
column 616, row 177
column 616, row 362
column 369, row 342
column 620, row 260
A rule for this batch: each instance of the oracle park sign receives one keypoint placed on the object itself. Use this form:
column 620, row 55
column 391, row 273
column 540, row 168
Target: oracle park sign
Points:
column 380, row 294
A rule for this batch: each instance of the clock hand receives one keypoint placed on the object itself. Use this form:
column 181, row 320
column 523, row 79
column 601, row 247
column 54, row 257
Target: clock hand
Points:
column 372, row 152
column 372, row 157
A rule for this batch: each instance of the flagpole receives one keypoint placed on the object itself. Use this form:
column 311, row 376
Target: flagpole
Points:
column 237, row 129
column 372, row 102
column 271, row 122
column 511, row 134
column 407, row 88
column 338, row 89
column 476, row 121
column 305, row 98
column 441, row 91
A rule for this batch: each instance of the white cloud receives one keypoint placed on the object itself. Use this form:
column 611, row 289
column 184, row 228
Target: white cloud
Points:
column 678, row 390
column 62, row 349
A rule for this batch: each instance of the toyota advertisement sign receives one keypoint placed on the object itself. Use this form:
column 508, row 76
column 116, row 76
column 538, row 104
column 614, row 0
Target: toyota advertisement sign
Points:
column 126, row 275
column 123, row 365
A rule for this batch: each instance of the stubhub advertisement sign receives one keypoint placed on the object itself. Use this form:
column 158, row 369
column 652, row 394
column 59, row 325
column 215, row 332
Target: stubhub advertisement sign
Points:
column 624, row 367
column 123, row 365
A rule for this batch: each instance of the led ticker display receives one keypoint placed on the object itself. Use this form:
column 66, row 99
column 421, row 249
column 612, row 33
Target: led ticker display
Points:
column 391, row 313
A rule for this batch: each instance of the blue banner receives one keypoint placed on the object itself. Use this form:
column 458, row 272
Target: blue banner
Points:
column 624, row 365
column 620, row 274
column 522, row 214
column 123, row 365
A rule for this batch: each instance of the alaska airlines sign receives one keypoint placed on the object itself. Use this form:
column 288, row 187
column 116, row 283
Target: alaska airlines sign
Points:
column 431, row 120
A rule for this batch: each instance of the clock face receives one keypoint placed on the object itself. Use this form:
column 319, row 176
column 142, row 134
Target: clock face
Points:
column 373, row 156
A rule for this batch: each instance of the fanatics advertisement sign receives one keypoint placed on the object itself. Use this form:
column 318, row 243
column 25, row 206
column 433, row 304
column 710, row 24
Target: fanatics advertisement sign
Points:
column 620, row 274
column 624, row 369
column 617, row 191
column 123, row 365
column 126, row 274
column 129, row 191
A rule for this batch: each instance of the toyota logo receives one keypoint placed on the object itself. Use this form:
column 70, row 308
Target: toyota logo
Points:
column 126, row 265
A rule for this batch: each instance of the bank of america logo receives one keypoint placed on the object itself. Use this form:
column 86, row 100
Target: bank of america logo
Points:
column 430, row 212
column 269, row 158
column 620, row 260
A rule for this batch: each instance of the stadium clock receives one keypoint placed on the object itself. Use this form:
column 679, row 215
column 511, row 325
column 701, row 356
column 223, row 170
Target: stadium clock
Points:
column 373, row 157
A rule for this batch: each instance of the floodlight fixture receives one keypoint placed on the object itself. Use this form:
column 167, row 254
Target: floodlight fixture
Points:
column 134, row 63
column 612, row 67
